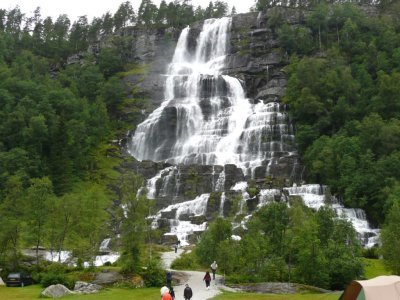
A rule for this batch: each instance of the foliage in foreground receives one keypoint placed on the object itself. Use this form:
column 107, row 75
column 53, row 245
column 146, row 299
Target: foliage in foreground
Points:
column 286, row 244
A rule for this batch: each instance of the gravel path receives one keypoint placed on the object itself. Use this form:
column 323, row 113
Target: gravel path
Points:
column 195, row 280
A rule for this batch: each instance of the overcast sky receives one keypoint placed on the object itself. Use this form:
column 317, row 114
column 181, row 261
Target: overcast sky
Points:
column 95, row 8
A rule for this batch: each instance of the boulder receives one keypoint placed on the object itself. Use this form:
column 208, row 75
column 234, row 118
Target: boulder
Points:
column 106, row 277
column 82, row 287
column 56, row 291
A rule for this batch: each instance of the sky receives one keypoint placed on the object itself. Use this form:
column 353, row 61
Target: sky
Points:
column 96, row 8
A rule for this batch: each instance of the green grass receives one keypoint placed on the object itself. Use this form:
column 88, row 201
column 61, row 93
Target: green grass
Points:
column 252, row 296
column 33, row 292
column 18, row 293
column 374, row 267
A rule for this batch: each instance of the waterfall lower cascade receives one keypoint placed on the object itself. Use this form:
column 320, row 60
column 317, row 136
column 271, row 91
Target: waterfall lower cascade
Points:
column 205, row 117
column 313, row 195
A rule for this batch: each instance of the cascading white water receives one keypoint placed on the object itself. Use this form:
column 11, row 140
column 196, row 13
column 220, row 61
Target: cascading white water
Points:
column 104, row 245
column 267, row 196
column 181, row 228
column 313, row 196
column 205, row 117
column 221, row 205
column 220, row 184
column 152, row 182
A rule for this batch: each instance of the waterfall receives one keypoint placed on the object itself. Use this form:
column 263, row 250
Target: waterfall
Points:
column 242, row 187
column 313, row 195
column 104, row 245
column 267, row 196
column 205, row 117
column 220, row 185
column 152, row 182
column 221, row 206
column 183, row 228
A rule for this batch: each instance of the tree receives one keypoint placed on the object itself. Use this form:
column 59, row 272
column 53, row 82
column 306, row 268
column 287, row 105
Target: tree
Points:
column 390, row 235
column 147, row 13
column 78, row 34
column 124, row 15
column 219, row 231
column 220, row 9
column 318, row 21
column 40, row 192
column 135, row 209
column 89, row 229
column 107, row 24
column 11, row 221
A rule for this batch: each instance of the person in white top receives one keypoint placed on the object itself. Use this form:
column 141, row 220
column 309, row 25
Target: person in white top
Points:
column 214, row 267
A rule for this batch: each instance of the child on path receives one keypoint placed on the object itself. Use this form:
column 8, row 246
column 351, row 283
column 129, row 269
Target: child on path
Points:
column 207, row 279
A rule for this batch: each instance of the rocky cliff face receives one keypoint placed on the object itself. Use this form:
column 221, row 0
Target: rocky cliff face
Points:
column 191, row 187
column 199, row 188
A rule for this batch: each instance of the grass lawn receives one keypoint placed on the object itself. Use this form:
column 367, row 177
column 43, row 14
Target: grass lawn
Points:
column 33, row 291
column 374, row 267
column 251, row 296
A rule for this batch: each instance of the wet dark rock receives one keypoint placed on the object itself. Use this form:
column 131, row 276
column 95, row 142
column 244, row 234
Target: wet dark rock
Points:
column 168, row 214
column 198, row 220
column 252, row 204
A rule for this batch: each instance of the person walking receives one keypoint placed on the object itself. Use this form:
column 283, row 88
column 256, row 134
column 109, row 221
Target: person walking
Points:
column 214, row 267
column 187, row 292
column 172, row 292
column 176, row 247
column 207, row 279
column 165, row 295
column 169, row 279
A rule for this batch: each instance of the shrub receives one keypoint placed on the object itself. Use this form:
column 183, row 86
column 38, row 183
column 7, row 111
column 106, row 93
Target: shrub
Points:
column 187, row 261
column 52, row 278
column 153, row 275
column 372, row 252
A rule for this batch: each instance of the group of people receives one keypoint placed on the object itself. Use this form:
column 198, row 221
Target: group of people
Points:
column 168, row 293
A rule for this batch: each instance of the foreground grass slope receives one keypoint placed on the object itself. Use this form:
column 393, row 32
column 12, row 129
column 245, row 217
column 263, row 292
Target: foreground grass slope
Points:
column 32, row 292
column 252, row 296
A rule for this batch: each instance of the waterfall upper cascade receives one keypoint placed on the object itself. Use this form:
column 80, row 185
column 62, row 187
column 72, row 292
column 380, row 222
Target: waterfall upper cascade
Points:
column 205, row 117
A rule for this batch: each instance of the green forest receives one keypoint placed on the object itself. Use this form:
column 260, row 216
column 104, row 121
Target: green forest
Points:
column 58, row 122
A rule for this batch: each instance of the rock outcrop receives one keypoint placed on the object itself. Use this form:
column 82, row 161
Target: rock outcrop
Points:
column 82, row 287
column 106, row 277
column 56, row 291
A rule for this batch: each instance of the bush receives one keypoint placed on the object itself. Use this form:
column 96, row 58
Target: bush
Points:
column 372, row 252
column 187, row 261
column 48, row 279
column 242, row 278
column 153, row 275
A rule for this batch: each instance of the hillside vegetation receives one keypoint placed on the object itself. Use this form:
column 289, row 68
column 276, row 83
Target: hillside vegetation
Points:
column 59, row 122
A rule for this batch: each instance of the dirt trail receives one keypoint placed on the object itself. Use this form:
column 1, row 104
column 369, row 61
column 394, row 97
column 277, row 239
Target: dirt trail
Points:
column 195, row 280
